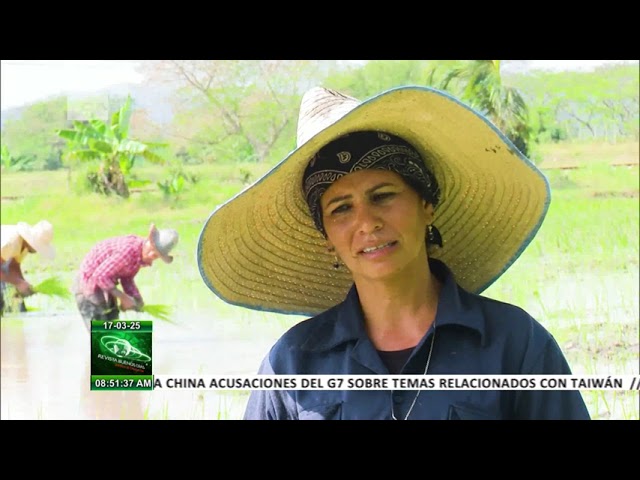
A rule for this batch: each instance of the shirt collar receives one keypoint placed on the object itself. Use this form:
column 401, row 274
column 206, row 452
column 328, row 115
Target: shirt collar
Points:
column 456, row 306
column 345, row 321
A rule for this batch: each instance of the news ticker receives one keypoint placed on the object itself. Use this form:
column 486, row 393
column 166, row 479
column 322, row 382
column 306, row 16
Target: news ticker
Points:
column 367, row 382
column 121, row 359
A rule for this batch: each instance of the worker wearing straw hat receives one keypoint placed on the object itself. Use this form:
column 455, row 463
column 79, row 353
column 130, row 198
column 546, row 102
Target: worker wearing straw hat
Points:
column 114, row 261
column 384, row 226
column 17, row 242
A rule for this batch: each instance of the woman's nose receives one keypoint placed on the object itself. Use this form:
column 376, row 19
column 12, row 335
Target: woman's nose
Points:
column 368, row 220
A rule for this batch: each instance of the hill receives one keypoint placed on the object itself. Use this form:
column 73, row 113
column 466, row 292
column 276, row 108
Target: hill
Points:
column 154, row 99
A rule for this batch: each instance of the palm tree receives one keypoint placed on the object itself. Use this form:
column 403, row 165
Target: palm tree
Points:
column 108, row 145
column 483, row 89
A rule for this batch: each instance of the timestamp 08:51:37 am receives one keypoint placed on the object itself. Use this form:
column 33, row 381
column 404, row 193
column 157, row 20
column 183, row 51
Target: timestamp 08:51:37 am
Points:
column 121, row 382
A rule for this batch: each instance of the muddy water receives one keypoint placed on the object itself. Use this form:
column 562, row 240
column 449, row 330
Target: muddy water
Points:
column 46, row 371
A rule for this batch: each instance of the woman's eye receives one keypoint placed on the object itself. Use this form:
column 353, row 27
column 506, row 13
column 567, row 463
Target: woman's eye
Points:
column 377, row 197
column 342, row 208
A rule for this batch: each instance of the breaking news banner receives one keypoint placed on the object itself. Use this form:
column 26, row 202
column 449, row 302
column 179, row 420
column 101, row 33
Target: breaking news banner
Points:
column 398, row 382
column 121, row 355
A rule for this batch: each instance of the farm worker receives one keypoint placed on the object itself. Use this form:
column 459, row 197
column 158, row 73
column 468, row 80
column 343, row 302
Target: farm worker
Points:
column 118, row 260
column 17, row 242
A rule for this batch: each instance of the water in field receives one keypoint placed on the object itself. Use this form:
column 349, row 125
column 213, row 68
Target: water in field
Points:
column 46, row 370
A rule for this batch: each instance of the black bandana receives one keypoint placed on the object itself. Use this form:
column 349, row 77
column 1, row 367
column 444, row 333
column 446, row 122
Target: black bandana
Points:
column 361, row 151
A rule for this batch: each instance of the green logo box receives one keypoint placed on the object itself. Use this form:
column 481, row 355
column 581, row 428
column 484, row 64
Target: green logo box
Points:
column 121, row 354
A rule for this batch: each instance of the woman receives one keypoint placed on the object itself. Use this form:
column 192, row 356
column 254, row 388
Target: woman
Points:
column 392, row 293
column 18, row 241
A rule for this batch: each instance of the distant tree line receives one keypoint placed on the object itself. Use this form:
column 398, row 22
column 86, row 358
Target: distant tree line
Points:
column 246, row 111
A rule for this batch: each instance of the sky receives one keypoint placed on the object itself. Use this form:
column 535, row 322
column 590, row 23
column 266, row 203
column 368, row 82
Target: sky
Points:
column 26, row 81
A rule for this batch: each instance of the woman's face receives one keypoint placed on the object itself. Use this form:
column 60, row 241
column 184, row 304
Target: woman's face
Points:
column 376, row 223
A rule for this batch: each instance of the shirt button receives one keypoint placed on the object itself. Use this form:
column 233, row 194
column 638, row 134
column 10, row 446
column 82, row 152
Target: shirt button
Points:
column 397, row 398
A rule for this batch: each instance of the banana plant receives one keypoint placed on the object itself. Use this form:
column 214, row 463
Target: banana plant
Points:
column 109, row 147
column 13, row 163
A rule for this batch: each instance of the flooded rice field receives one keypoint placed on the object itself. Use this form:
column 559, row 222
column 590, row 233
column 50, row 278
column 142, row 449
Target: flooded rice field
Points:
column 46, row 370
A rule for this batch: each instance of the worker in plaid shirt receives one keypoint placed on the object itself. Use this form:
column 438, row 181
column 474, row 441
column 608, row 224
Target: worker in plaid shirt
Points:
column 118, row 260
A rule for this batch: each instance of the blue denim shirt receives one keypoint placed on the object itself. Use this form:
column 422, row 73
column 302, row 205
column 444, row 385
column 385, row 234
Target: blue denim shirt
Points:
column 475, row 335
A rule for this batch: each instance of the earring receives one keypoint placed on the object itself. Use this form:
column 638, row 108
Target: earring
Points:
column 433, row 236
column 336, row 263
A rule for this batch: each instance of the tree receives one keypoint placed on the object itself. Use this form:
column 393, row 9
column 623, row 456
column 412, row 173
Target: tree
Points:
column 375, row 76
column 238, row 110
column 599, row 104
column 108, row 146
column 479, row 83
column 30, row 134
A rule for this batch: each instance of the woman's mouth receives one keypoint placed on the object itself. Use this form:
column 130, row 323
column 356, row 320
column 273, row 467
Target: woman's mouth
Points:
column 378, row 250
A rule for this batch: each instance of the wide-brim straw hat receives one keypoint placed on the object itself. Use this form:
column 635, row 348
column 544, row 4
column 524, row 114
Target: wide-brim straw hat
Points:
column 261, row 250
column 40, row 237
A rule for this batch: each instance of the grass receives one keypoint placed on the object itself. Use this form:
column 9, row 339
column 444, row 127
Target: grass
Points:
column 579, row 277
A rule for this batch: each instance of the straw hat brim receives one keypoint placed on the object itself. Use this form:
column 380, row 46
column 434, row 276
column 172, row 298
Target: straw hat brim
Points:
column 43, row 248
column 260, row 249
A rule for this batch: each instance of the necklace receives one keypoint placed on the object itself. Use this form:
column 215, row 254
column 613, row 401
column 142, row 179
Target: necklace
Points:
column 426, row 368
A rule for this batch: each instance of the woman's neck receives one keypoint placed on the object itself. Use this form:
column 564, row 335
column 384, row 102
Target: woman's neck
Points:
column 398, row 311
